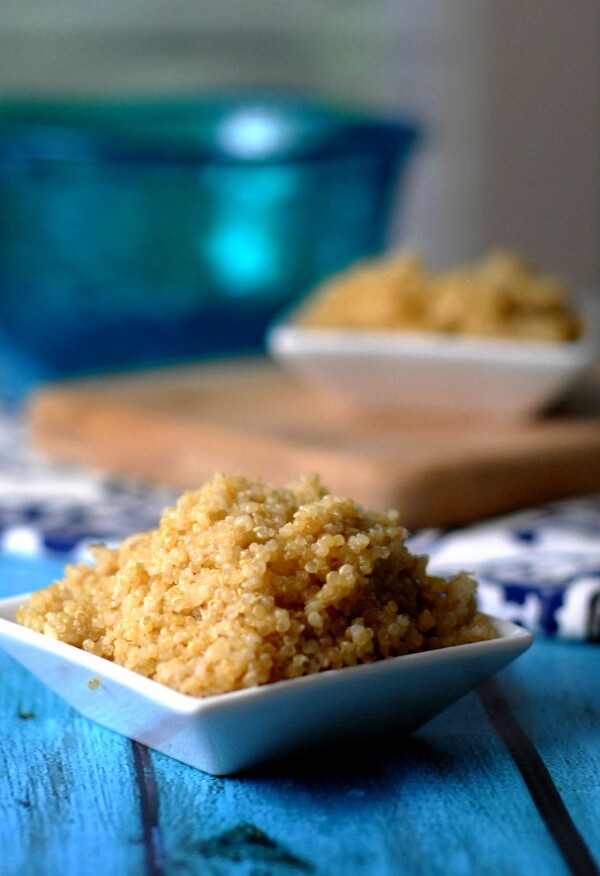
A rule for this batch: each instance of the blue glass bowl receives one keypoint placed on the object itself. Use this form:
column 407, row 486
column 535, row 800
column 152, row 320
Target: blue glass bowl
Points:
column 139, row 233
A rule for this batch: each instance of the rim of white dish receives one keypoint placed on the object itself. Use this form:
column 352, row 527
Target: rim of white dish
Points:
column 293, row 339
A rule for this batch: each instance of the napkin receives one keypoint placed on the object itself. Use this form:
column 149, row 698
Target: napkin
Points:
column 539, row 567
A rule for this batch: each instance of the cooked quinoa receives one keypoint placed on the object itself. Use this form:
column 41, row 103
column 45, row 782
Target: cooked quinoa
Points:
column 500, row 296
column 243, row 584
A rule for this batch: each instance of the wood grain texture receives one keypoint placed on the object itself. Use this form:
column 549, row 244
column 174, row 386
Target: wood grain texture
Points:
column 180, row 426
column 67, row 794
column 20, row 574
column 554, row 692
column 449, row 801
column 67, row 787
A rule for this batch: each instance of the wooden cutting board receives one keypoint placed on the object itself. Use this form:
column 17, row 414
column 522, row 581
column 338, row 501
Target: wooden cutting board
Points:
column 179, row 426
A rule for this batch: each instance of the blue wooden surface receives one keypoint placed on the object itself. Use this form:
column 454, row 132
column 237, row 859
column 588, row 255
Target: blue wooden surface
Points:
column 77, row 799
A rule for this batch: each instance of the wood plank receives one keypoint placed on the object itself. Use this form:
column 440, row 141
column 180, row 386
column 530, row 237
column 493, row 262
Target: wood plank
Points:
column 20, row 574
column 449, row 800
column 452, row 781
column 554, row 692
column 179, row 426
column 67, row 789
column 67, row 786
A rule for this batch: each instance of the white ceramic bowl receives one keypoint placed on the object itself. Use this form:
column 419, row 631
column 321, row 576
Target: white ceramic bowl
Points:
column 434, row 372
column 230, row 732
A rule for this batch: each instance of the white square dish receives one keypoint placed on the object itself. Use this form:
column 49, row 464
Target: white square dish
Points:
column 434, row 372
column 231, row 732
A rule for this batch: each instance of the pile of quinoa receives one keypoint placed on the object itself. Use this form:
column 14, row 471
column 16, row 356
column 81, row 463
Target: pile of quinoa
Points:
column 243, row 584
column 501, row 295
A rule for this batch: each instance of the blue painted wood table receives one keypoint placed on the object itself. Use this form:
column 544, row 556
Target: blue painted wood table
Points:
column 507, row 781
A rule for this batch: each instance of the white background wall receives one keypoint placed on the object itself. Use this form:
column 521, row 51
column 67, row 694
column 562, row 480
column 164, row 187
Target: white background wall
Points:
column 508, row 91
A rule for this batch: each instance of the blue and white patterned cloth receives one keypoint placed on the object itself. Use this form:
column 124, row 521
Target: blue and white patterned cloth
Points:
column 540, row 567
column 50, row 512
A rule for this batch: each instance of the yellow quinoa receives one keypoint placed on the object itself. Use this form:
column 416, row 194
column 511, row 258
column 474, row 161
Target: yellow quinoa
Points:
column 243, row 584
column 500, row 296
